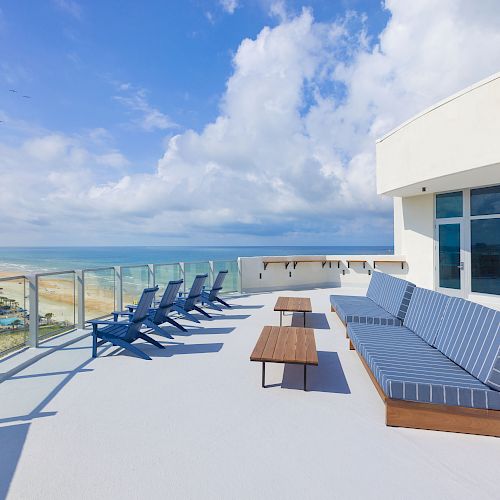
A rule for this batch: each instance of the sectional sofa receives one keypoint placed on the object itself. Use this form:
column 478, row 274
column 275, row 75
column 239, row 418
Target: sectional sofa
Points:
column 439, row 368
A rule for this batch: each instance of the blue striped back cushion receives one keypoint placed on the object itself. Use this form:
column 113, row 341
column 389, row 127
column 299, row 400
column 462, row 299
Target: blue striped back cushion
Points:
column 425, row 313
column 470, row 336
column 393, row 294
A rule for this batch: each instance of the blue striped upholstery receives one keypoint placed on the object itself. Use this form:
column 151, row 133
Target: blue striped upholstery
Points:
column 470, row 336
column 425, row 313
column 392, row 294
column 359, row 309
column 408, row 368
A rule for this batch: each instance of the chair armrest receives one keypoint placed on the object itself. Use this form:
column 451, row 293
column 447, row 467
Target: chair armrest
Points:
column 106, row 322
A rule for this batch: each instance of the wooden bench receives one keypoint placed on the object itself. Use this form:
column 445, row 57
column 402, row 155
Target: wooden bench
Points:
column 293, row 304
column 285, row 344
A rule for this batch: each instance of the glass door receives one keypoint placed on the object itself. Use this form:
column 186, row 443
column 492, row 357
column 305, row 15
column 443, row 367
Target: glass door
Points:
column 450, row 258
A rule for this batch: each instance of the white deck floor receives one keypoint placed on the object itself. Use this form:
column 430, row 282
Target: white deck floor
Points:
column 195, row 423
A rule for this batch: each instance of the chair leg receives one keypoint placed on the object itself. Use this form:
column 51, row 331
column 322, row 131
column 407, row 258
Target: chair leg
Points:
column 129, row 347
column 157, row 329
column 94, row 344
column 200, row 310
column 147, row 338
column 218, row 299
column 188, row 316
column 177, row 325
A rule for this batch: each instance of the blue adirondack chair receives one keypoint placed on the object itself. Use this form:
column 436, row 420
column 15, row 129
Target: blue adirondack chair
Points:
column 210, row 297
column 159, row 314
column 183, row 305
column 123, row 333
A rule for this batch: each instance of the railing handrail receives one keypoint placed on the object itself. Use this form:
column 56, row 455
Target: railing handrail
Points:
column 8, row 278
column 94, row 269
column 53, row 273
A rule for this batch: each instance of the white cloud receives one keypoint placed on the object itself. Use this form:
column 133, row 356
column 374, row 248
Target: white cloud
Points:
column 71, row 7
column 287, row 155
column 148, row 117
column 229, row 5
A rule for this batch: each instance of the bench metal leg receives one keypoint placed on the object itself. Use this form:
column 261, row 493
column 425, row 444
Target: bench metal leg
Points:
column 263, row 374
column 305, row 377
column 304, row 319
column 281, row 318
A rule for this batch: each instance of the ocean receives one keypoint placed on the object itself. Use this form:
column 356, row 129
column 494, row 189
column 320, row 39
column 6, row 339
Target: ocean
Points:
column 37, row 259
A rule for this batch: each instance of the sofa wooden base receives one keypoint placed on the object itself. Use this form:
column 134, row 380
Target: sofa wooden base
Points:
column 437, row 417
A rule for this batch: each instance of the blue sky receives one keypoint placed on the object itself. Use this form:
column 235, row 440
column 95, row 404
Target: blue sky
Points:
column 216, row 122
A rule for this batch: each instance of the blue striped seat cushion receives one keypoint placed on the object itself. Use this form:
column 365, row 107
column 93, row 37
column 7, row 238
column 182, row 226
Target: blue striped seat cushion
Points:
column 470, row 336
column 359, row 309
column 425, row 313
column 408, row 368
column 390, row 293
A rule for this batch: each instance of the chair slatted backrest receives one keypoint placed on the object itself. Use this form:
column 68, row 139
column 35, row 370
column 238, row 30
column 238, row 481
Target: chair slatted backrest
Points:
column 195, row 292
column 167, row 301
column 141, row 312
column 217, row 285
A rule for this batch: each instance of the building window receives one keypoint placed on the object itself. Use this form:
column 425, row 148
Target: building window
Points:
column 485, row 201
column 485, row 239
column 449, row 205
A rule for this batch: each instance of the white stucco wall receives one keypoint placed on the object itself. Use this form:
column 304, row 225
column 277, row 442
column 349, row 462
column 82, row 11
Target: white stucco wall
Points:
column 448, row 146
column 414, row 237
column 312, row 275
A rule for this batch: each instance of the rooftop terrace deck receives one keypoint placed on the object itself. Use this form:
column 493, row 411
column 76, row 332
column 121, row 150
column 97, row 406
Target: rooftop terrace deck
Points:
column 195, row 423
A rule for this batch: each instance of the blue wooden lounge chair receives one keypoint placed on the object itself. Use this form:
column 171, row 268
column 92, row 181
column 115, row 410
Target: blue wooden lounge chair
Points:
column 159, row 314
column 185, row 305
column 212, row 296
column 123, row 333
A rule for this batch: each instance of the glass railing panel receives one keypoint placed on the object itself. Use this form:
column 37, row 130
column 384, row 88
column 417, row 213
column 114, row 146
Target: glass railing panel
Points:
column 165, row 273
column 13, row 314
column 191, row 269
column 134, row 280
column 232, row 279
column 100, row 292
column 56, row 303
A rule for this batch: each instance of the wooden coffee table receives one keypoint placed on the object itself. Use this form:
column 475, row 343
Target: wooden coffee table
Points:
column 293, row 304
column 285, row 344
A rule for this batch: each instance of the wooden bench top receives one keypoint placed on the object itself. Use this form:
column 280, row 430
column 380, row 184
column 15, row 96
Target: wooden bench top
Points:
column 286, row 344
column 293, row 304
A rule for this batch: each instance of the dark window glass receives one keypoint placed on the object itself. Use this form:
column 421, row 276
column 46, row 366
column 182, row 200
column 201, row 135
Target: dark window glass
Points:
column 485, row 255
column 449, row 205
column 449, row 256
column 485, row 201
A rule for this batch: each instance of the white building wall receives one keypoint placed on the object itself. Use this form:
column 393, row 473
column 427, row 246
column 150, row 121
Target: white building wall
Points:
column 414, row 237
column 448, row 146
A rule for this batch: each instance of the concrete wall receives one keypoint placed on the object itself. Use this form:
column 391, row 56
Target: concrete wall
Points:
column 414, row 237
column 311, row 274
column 449, row 146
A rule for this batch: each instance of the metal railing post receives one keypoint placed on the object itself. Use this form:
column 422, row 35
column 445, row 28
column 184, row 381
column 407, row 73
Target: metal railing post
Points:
column 80, row 294
column 119, row 287
column 33, row 310
column 151, row 275
column 183, row 276
column 211, row 272
column 240, row 284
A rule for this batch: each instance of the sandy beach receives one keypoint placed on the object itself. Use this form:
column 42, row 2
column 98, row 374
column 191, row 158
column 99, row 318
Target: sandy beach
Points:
column 58, row 296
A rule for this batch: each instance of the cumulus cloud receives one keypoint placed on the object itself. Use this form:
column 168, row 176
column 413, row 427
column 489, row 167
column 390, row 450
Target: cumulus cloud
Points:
column 146, row 116
column 229, row 5
column 290, row 157
column 71, row 7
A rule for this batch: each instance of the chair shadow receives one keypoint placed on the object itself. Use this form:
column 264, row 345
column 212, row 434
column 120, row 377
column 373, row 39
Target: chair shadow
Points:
column 237, row 307
column 174, row 349
column 216, row 315
column 328, row 376
column 195, row 331
column 12, row 438
column 313, row 320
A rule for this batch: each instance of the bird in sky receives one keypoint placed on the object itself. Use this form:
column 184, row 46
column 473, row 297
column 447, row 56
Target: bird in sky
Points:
column 27, row 96
column 12, row 90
